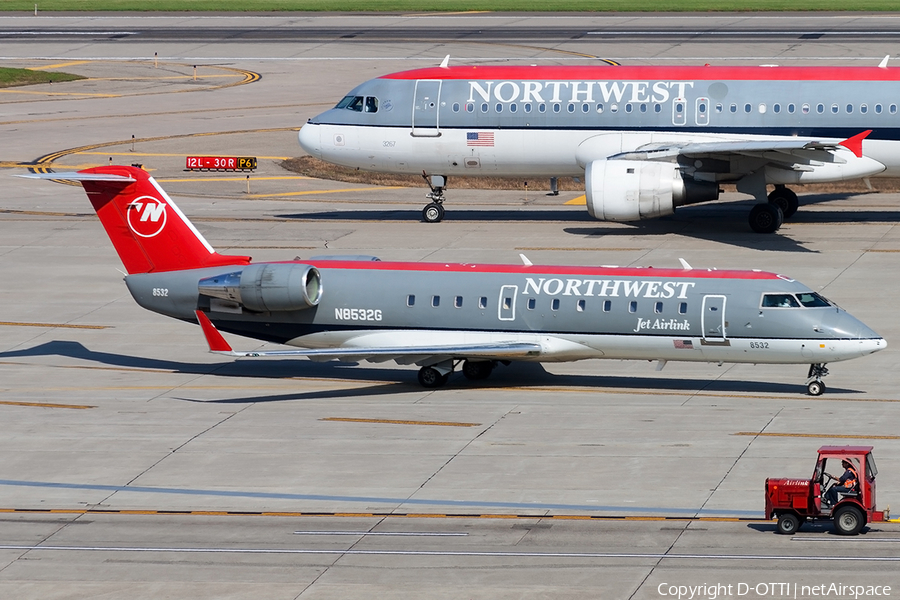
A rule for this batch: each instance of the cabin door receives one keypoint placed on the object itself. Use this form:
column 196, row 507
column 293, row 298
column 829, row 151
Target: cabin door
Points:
column 425, row 114
column 506, row 311
column 712, row 319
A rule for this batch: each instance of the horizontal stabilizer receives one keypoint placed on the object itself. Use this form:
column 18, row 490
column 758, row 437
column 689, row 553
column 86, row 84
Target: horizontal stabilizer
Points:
column 76, row 176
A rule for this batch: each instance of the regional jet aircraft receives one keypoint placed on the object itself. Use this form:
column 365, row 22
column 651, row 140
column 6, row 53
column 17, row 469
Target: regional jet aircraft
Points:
column 475, row 316
column 646, row 139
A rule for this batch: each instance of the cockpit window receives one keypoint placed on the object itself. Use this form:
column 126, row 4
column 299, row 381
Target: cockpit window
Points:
column 780, row 301
column 351, row 103
column 371, row 104
column 812, row 300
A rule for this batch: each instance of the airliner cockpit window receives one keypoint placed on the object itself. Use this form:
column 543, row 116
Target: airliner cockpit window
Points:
column 812, row 300
column 372, row 104
column 351, row 103
column 780, row 301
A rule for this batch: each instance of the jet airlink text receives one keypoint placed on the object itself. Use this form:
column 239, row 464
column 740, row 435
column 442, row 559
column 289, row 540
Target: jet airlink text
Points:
column 577, row 91
column 610, row 288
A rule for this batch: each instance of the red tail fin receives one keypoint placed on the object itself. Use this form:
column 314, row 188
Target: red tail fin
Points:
column 147, row 229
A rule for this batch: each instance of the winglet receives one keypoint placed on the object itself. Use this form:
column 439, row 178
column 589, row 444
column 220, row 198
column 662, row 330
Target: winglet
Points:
column 854, row 144
column 215, row 340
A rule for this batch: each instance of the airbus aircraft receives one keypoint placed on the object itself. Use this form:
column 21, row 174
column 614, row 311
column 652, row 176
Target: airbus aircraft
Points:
column 442, row 316
column 646, row 139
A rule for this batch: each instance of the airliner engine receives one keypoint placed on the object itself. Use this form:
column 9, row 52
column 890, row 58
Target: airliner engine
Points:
column 630, row 190
column 267, row 287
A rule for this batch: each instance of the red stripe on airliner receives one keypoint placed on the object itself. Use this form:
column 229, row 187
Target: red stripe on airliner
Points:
column 651, row 73
column 644, row 272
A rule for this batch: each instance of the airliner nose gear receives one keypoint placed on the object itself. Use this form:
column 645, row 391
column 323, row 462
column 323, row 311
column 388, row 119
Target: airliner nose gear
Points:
column 814, row 384
column 434, row 211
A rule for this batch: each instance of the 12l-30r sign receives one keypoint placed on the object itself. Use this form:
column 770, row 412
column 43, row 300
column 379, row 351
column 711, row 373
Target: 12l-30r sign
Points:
column 220, row 163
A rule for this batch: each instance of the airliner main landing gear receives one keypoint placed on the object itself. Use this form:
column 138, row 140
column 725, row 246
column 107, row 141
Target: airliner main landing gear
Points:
column 766, row 218
column 814, row 384
column 785, row 199
column 434, row 211
column 435, row 376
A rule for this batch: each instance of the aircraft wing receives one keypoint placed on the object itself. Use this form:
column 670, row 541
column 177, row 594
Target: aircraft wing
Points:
column 400, row 354
column 792, row 150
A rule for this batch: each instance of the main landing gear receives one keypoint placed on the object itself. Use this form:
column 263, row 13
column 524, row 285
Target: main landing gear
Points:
column 434, row 210
column 768, row 217
column 435, row 376
column 814, row 384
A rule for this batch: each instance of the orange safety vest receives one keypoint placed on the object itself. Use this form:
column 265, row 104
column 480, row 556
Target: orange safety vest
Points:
column 851, row 483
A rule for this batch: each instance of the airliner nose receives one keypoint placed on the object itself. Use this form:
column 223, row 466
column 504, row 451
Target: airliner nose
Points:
column 309, row 138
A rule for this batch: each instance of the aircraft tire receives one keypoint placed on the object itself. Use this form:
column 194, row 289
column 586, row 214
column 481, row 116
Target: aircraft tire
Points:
column 431, row 378
column 788, row 523
column 848, row 520
column 433, row 213
column 815, row 388
column 786, row 200
column 766, row 218
column 475, row 370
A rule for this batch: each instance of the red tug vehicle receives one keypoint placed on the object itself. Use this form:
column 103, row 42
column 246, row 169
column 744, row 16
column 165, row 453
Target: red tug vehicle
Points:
column 795, row 501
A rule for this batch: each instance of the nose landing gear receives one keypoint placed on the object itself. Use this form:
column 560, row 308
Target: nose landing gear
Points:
column 434, row 210
column 814, row 384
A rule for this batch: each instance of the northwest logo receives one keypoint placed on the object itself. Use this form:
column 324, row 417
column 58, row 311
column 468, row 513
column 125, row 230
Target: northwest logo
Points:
column 146, row 216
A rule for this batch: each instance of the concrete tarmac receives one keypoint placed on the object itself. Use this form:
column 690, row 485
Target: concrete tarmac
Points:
column 137, row 465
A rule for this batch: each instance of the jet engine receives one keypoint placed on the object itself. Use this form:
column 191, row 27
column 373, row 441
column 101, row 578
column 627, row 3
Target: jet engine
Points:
column 630, row 190
column 267, row 287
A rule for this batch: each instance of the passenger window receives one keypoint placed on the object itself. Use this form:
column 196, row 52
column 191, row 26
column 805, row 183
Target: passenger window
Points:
column 733, row 108
column 644, row 108
column 513, row 108
column 532, row 302
column 570, row 108
column 893, row 109
column 632, row 306
column 599, row 108
column 372, row 105
column 748, row 108
column 585, row 108
column 484, row 107
column 470, row 107
column 498, row 108
column 776, row 108
column 507, row 304
column 863, row 108
column 658, row 308
column 780, row 301
column 849, row 108
column 613, row 108
column 607, row 305
column 762, row 108
column 628, row 107
column 580, row 306
column 812, row 300
column 682, row 308
column 482, row 302
column 411, row 300
column 435, row 301
column 556, row 108
column 527, row 107
column 542, row 108
column 719, row 107
column 456, row 107
column 657, row 108
column 457, row 302
column 791, row 108
column 805, row 109
column 820, row 108
column 834, row 108
column 877, row 109
column 554, row 304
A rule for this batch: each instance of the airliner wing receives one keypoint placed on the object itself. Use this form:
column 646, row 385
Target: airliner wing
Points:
column 794, row 149
column 400, row 354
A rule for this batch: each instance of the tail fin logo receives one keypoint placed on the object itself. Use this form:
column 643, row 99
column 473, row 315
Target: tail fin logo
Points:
column 146, row 216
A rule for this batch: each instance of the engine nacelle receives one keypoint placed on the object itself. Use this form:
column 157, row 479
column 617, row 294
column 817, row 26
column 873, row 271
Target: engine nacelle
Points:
column 267, row 287
column 630, row 190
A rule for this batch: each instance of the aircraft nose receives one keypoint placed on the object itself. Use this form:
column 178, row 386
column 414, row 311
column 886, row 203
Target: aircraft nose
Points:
column 846, row 326
column 309, row 138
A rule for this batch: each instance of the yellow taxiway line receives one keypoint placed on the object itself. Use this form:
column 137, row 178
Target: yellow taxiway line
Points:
column 579, row 201
column 45, row 404
column 52, row 325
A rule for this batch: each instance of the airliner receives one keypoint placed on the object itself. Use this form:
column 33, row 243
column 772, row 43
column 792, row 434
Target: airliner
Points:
column 646, row 139
column 471, row 316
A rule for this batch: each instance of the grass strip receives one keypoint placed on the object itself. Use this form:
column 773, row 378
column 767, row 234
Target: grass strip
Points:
column 417, row 6
column 14, row 77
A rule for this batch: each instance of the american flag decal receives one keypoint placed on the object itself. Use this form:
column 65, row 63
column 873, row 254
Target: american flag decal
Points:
column 684, row 344
column 479, row 138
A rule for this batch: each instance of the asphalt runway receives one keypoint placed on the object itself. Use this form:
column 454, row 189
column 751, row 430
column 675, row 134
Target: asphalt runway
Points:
column 137, row 465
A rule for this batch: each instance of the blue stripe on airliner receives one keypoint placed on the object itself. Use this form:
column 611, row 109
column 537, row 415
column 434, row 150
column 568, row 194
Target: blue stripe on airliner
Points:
column 369, row 499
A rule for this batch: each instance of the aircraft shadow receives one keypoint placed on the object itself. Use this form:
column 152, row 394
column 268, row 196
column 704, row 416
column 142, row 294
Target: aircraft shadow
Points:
column 523, row 214
column 385, row 381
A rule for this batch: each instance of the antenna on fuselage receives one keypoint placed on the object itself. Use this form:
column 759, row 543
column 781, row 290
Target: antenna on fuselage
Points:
column 884, row 62
column 685, row 265
column 525, row 260
column 446, row 62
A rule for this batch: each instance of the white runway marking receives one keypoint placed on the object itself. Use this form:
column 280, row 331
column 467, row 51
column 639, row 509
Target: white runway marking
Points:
column 557, row 555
